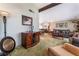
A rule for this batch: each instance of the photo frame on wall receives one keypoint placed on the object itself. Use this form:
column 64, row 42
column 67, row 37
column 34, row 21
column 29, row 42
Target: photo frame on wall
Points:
column 26, row 20
column 62, row 25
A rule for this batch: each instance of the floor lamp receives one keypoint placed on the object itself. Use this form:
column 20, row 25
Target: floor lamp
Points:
column 4, row 14
column 7, row 44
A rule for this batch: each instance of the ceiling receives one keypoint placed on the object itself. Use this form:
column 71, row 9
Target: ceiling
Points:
column 40, row 5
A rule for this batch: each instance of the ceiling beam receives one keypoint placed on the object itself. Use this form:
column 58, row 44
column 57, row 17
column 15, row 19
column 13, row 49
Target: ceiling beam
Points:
column 48, row 6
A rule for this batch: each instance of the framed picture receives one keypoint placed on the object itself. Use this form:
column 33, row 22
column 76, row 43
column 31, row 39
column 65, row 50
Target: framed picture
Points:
column 62, row 25
column 26, row 20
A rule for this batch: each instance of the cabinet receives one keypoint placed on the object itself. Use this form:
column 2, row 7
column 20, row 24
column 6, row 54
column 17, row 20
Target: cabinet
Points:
column 30, row 39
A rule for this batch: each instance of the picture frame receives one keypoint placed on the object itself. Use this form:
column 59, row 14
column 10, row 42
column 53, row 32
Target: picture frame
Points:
column 62, row 25
column 26, row 20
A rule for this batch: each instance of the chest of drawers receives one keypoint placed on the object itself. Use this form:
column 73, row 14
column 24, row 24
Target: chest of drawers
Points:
column 30, row 39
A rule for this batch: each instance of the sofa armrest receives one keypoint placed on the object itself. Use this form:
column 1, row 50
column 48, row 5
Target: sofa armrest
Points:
column 71, row 48
column 58, row 51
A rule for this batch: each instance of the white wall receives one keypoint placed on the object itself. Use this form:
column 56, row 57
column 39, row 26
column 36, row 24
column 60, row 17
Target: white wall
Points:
column 65, row 11
column 14, row 20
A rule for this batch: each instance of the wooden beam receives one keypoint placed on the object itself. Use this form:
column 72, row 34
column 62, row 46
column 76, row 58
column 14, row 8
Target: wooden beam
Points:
column 48, row 6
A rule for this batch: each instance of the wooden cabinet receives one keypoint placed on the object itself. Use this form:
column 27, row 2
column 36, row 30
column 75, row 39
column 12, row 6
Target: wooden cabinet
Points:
column 30, row 39
column 36, row 38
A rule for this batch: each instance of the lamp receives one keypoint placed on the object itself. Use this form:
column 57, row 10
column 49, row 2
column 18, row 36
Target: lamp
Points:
column 7, row 44
column 4, row 14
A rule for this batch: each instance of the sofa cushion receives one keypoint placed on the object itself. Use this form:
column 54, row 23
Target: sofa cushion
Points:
column 71, row 48
column 59, row 51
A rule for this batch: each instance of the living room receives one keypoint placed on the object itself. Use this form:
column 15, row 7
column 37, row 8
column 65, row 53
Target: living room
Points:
column 61, row 22
column 34, row 29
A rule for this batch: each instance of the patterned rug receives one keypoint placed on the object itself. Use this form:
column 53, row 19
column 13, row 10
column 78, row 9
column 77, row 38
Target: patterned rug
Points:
column 40, row 49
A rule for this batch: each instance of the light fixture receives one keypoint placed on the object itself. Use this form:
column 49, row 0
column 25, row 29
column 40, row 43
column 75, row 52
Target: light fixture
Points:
column 31, row 10
column 4, row 13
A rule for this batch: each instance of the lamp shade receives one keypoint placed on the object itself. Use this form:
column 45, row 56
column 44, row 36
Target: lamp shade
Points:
column 3, row 13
